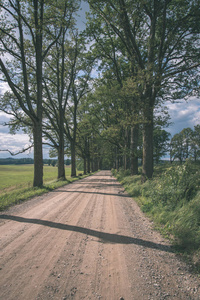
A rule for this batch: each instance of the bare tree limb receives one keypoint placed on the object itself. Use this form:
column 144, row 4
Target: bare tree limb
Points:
column 22, row 151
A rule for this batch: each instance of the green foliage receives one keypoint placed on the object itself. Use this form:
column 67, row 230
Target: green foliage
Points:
column 178, row 183
column 186, row 144
column 171, row 199
column 161, row 145
column 186, row 225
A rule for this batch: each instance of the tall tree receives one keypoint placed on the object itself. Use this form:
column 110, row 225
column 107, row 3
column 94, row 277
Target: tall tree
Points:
column 115, row 68
column 161, row 143
column 186, row 144
column 162, row 47
column 58, row 80
column 195, row 142
column 80, row 66
column 26, row 37
column 66, row 79
column 187, row 134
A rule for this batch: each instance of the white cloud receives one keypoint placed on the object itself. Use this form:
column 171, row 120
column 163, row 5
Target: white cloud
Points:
column 3, row 115
column 17, row 142
column 3, row 87
column 184, row 114
column 4, row 118
column 14, row 143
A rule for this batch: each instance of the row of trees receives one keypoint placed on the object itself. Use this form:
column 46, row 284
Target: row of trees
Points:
column 150, row 49
column 45, row 65
column 145, row 52
column 186, row 144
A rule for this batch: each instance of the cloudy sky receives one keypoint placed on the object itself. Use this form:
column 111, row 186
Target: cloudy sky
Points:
column 183, row 115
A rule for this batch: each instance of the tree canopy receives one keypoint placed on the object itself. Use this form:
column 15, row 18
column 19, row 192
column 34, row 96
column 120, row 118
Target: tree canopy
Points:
column 144, row 52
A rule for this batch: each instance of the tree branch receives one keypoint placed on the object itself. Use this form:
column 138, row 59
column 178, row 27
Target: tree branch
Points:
column 22, row 151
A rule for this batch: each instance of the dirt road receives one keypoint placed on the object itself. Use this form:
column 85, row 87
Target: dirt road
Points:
column 87, row 240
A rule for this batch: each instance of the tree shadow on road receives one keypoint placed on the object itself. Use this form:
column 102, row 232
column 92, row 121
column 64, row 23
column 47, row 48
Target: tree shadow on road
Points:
column 118, row 194
column 103, row 236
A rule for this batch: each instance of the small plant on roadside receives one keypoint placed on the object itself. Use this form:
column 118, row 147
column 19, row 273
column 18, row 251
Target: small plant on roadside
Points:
column 186, row 225
column 172, row 200
column 176, row 185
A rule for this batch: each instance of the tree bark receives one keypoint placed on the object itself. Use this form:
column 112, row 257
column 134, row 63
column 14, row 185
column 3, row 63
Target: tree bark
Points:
column 88, row 155
column 73, row 159
column 93, row 165
column 88, row 164
column 125, row 149
column 61, row 162
column 61, row 150
column 116, row 159
column 38, row 157
column 147, row 168
column 85, row 166
column 134, row 144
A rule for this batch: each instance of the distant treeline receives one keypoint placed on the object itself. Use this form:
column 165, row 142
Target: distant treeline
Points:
column 27, row 161
column 16, row 161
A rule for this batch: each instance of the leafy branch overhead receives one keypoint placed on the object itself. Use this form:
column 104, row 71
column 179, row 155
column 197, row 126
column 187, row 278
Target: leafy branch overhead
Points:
column 99, row 93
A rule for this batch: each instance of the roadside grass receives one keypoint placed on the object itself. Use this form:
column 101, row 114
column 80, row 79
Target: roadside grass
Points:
column 172, row 201
column 16, row 183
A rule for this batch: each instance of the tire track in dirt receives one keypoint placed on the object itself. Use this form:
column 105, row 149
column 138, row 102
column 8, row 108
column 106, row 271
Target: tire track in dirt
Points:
column 36, row 247
column 88, row 240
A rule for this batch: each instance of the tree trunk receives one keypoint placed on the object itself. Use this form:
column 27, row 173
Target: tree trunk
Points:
column 61, row 150
column 85, row 166
column 116, row 159
column 92, row 164
column 88, row 164
column 125, row 149
column 100, row 163
column 125, row 161
column 61, row 162
column 147, row 168
column 88, row 154
column 37, row 124
column 73, row 159
column 134, row 144
column 38, row 157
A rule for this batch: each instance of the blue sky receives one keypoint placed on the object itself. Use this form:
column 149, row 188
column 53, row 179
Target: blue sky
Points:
column 183, row 114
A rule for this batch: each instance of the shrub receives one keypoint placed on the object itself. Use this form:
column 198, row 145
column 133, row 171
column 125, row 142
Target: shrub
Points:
column 186, row 225
column 171, row 198
column 176, row 185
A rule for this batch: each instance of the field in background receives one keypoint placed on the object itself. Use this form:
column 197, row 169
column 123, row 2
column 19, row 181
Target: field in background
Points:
column 18, row 176
column 16, row 183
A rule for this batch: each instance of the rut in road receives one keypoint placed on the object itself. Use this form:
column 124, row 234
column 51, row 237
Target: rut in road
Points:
column 88, row 240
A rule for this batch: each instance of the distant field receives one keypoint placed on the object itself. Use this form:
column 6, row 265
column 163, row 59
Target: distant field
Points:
column 20, row 176
column 16, row 183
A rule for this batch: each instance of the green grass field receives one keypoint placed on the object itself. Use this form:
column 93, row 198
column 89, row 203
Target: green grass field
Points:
column 20, row 176
column 16, row 183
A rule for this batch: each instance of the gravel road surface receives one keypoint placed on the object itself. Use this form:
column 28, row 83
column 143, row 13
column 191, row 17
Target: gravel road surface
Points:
column 88, row 240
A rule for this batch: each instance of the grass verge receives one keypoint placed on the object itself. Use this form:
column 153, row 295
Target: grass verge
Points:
column 172, row 200
column 19, row 189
